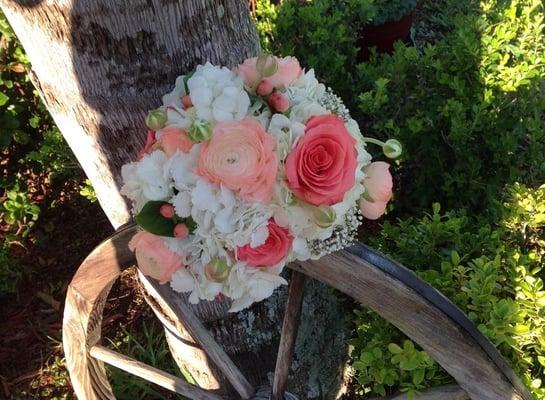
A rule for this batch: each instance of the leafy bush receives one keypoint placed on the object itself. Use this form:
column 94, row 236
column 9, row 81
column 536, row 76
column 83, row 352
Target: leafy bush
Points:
column 305, row 29
column 492, row 273
column 469, row 110
column 391, row 10
column 10, row 273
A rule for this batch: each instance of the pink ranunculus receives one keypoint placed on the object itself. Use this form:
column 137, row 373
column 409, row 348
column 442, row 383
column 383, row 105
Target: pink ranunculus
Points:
column 322, row 166
column 153, row 256
column 173, row 138
column 241, row 156
column 288, row 71
column 270, row 253
column 378, row 186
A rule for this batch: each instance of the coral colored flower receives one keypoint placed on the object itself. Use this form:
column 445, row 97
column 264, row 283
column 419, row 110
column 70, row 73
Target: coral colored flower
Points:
column 322, row 166
column 172, row 139
column 241, row 156
column 154, row 258
column 150, row 142
column 270, row 253
column 288, row 71
column 378, row 187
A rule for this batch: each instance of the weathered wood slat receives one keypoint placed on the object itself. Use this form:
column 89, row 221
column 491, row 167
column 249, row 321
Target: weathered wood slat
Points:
column 289, row 334
column 217, row 355
column 447, row 392
column 151, row 374
column 389, row 289
column 85, row 299
column 456, row 351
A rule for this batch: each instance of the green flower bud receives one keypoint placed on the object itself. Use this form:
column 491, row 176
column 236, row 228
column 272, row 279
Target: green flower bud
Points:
column 266, row 65
column 217, row 270
column 392, row 148
column 200, row 131
column 156, row 119
column 324, row 216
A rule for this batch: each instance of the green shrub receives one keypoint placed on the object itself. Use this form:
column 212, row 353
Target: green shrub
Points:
column 490, row 272
column 391, row 10
column 470, row 110
column 10, row 273
column 322, row 34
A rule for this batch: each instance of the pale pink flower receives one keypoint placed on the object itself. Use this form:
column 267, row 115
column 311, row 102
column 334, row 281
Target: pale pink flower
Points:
column 288, row 71
column 378, row 186
column 241, row 156
column 153, row 256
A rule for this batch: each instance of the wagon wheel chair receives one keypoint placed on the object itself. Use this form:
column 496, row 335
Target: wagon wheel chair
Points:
column 420, row 311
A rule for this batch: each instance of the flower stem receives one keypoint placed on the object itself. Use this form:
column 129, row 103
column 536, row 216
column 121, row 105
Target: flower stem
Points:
column 373, row 140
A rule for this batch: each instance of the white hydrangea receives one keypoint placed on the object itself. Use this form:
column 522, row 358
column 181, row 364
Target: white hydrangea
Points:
column 217, row 94
column 146, row 179
column 306, row 88
column 223, row 221
column 246, row 285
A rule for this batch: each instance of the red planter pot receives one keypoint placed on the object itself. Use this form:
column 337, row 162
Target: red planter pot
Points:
column 383, row 36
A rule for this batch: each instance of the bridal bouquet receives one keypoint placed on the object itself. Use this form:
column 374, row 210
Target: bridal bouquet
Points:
column 245, row 170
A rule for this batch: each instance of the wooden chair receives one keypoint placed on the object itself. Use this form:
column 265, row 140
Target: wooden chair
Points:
column 420, row 311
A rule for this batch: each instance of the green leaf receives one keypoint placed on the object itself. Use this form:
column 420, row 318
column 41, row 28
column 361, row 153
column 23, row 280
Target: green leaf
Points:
column 394, row 348
column 418, row 376
column 152, row 221
column 5, row 138
column 3, row 98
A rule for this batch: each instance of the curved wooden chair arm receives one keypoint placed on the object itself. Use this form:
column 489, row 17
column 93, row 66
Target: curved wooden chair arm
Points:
column 394, row 292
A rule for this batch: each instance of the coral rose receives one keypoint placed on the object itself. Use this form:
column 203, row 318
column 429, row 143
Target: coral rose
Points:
column 241, row 156
column 288, row 71
column 270, row 253
column 172, row 138
column 153, row 256
column 322, row 166
column 378, row 190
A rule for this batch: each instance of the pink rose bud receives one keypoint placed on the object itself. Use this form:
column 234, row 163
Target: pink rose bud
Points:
column 181, row 231
column 167, row 211
column 278, row 102
column 186, row 101
column 372, row 209
column 264, row 88
column 378, row 190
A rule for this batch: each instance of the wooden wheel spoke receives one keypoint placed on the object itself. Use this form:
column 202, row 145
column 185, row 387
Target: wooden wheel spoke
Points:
column 290, row 327
column 151, row 374
column 203, row 337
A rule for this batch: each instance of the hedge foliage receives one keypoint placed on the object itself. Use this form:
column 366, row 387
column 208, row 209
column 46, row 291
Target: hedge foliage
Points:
column 469, row 108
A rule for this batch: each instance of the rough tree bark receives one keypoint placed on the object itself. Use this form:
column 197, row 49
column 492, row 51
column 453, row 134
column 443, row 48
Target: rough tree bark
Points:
column 100, row 65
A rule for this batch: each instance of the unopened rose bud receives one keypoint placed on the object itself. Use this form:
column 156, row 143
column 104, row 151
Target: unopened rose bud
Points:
column 186, row 102
column 156, row 119
column 266, row 65
column 181, row 231
column 200, row 131
column 324, row 216
column 264, row 88
column 392, row 148
column 167, row 211
column 279, row 102
column 216, row 270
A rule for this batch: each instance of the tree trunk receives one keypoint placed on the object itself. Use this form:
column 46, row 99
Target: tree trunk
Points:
column 100, row 65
